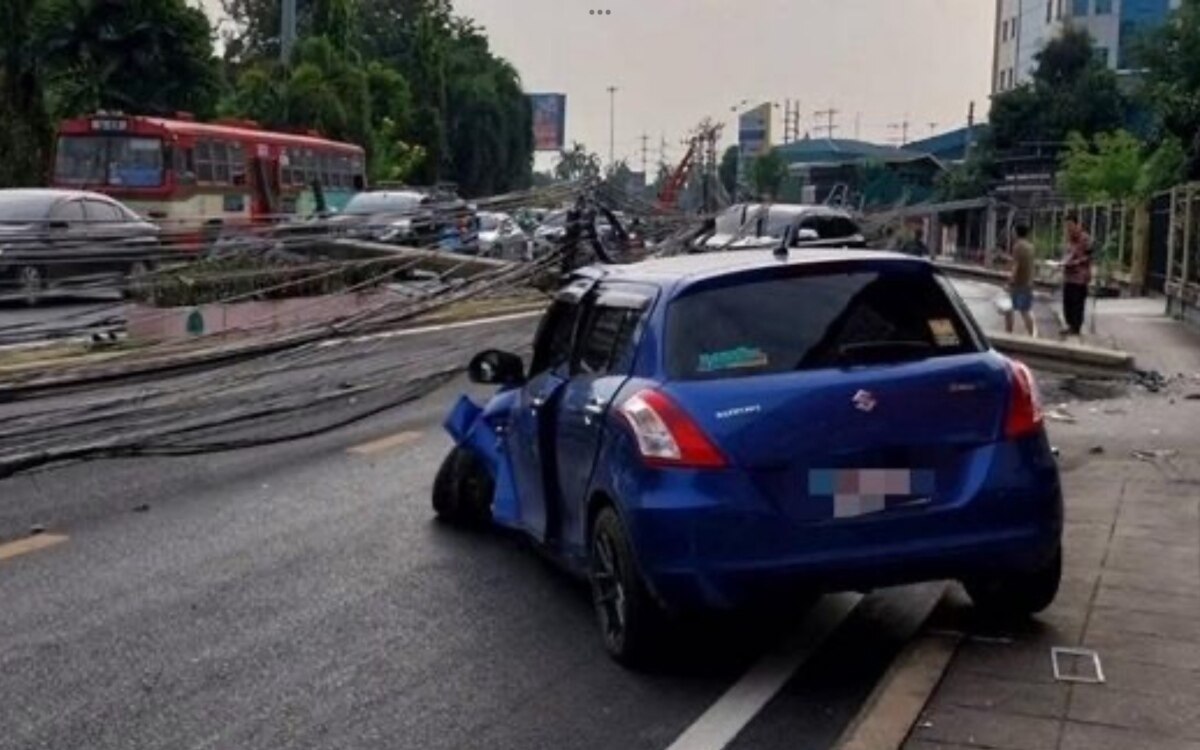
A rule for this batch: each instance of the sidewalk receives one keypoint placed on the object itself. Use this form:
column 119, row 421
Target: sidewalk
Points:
column 1131, row 588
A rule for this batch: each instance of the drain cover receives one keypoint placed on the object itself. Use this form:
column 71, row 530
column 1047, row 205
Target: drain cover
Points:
column 1076, row 665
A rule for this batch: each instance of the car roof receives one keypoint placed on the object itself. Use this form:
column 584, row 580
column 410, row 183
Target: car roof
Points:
column 700, row 266
column 51, row 194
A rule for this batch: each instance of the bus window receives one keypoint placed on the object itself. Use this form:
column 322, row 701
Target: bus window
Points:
column 109, row 160
column 185, row 166
column 237, row 164
column 220, row 156
column 204, row 162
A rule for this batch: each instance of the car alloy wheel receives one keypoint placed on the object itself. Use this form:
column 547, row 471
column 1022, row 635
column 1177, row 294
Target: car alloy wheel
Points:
column 608, row 592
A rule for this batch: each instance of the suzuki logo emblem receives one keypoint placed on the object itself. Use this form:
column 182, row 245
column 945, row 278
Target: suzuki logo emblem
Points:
column 864, row 401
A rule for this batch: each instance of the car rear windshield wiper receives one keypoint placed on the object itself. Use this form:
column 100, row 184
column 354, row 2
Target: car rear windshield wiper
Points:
column 883, row 352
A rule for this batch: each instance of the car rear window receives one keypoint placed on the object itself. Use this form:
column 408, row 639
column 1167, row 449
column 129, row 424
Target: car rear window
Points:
column 823, row 319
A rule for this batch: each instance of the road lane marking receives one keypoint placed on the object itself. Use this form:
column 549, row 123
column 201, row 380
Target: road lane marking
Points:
column 30, row 544
column 391, row 442
column 725, row 719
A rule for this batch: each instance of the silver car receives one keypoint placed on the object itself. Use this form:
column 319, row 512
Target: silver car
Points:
column 757, row 226
column 501, row 237
column 69, row 239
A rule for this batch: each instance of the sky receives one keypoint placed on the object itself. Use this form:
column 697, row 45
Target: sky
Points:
column 675, row 62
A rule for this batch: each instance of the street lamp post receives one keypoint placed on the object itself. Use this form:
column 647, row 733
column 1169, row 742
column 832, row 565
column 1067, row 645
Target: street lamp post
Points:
column 612, row 127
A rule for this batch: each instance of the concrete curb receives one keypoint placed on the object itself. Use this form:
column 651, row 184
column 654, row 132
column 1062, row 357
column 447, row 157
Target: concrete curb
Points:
column 887, row 717
column 1063, row 357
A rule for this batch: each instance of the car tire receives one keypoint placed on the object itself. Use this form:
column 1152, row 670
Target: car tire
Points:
column 31, row 284
column 1018, row 595
column 463, row 490
column 631, row 621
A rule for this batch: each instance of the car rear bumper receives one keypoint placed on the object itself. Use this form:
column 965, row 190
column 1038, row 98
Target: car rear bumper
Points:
column 698, row 546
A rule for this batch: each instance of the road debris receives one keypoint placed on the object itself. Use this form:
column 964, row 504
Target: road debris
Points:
column 1060, row 414
column 1096, row 450
column 1081, row 665
column 1152, row 380
column 143, row 508
column 1153, row 456
column 36, row 529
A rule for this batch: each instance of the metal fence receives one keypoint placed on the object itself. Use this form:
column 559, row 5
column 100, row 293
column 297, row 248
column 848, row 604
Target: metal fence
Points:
column 1181, row 269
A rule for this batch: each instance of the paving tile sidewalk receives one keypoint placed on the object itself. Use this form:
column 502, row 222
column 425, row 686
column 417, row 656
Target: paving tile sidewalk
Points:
column 1131, row 587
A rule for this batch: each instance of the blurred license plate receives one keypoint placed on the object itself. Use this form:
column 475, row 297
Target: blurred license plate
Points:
column 860, row 492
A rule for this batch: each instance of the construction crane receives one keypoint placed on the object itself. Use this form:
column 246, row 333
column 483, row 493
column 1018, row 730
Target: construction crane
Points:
column 703, row 146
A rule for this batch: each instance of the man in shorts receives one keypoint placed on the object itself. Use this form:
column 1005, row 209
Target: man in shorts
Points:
column 1020, row 283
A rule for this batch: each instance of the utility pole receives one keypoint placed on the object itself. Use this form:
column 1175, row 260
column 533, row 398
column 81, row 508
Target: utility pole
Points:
column 828, row 114
column 645, row 149
column 287, row 31
column 901, row 126
column 612, row 127
column 932, row 128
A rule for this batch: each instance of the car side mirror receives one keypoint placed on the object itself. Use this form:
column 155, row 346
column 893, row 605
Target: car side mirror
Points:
column 494, row 367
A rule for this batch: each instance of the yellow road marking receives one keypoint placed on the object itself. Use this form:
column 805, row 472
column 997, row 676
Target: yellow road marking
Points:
column 391, row 442
column 30, row 544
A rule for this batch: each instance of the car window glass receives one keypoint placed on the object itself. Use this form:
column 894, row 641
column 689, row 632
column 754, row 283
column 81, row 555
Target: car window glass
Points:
column 552, row 346
column 69, row 211
column 99, row 211
column 817, row 320
column 606, row 340
column 837, row 228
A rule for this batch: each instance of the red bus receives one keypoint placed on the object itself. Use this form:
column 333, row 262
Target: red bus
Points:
column 185, row 174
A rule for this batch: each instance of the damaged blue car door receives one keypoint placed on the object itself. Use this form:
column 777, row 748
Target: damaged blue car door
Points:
column 529, row 441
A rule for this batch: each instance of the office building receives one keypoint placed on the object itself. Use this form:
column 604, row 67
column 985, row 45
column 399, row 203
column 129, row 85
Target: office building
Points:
column 1023, row 27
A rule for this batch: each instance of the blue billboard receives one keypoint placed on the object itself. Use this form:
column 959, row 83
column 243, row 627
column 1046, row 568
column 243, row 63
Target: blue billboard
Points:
column 549, row 121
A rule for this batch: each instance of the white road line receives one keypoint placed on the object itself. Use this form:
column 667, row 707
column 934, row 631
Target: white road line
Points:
column 402, row 332
column 721, row 723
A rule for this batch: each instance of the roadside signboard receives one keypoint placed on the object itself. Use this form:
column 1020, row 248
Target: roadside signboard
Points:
column 549, row 121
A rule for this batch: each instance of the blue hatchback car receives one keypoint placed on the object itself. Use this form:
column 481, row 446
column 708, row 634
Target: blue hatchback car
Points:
column 701, row 431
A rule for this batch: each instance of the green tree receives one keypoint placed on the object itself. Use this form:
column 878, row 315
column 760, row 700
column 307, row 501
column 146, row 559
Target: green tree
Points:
column 767, row 174
column 1171, row 91
column 577, row 164
column 728, row 170
column 1117, row 167
column 1072, row 91
column 970, row 179
column 25, row 128
column 146, row 56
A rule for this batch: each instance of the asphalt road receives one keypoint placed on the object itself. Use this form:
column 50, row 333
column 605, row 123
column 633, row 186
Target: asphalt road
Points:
column 58, row 317
column 300, row 595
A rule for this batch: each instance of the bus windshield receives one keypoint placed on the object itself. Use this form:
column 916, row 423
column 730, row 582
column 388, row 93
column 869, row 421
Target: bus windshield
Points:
column 109, row 160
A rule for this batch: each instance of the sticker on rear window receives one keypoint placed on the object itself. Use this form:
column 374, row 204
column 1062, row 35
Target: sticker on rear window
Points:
column 733, row 359
column 943, row 332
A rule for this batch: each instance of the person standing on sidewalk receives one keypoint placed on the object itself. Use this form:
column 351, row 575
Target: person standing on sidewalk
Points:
column 1020, row 283
column 1077, row 275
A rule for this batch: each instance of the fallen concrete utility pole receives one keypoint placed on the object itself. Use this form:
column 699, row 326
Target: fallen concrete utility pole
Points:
column 450, row 265
column 1065, row 358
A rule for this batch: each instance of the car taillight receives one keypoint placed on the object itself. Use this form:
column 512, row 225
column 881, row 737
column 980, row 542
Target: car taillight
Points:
column 1025, row 404
column 666, row 435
